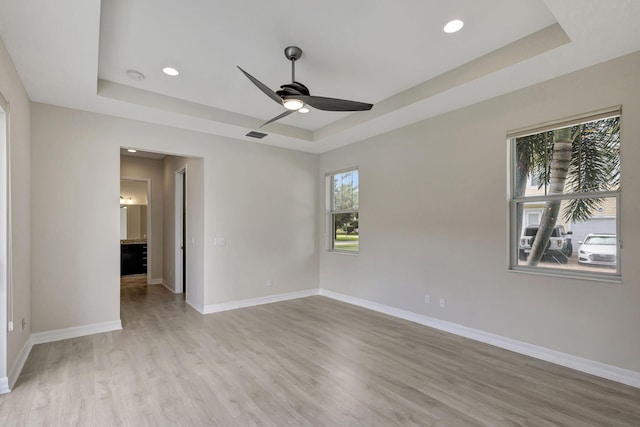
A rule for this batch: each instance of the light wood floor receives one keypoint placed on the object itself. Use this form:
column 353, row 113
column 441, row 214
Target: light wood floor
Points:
column 306, row 362
column 133, row 280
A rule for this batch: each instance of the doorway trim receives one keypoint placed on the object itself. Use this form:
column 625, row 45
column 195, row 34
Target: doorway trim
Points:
column 6, row 282
column 180, row 227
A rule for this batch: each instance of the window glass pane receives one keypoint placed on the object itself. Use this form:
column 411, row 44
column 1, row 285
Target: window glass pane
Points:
column 588, row 245
column 345, row 232
column 532, row 218
column 582, row 158
column 345, row 191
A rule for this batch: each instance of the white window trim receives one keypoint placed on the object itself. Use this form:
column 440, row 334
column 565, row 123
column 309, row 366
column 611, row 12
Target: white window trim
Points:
column 512, row 233
column 604, row 113
column 329, row 213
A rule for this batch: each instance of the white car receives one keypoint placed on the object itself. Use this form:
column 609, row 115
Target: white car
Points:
column 598, row 249
column 559, row 245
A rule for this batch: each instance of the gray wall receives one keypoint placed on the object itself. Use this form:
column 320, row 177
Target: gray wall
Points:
column 260, row 198
column 433, row 219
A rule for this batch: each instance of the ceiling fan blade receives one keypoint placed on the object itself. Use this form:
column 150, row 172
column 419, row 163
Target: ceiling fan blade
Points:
column 278, row 117
column 264, row 88
column 333, row 104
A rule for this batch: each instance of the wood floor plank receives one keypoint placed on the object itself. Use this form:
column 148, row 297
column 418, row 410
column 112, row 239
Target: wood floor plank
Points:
column 306, row 362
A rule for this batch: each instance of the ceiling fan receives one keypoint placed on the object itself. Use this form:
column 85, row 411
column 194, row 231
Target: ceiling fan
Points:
column 294, row 96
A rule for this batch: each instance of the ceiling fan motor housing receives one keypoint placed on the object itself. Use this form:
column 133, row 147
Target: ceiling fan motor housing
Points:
column 294, row 88
column 293, row 53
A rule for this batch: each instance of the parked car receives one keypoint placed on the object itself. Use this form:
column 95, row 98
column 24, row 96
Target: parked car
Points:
column 559, row 245
column 598, row 249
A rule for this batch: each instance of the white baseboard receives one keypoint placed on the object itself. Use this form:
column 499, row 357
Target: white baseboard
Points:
column 155, row 282
column 168, row 286
column 592, row 367
column 19, row 362
column 76, row 331
column 6, row 383
column 199, row 309
column 232, row 305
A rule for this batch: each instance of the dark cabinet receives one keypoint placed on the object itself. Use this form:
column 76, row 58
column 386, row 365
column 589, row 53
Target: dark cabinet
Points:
column 133, row 258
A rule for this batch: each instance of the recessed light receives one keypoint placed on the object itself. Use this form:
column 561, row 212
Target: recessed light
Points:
column 303, row 110
column 170, row 71
column 131, row 150
column 453, row 26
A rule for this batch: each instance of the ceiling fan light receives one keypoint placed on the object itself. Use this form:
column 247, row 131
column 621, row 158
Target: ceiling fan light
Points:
column 293, row 104
column 303, row 110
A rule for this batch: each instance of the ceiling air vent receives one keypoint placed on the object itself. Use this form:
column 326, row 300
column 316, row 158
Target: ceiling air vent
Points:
column 254, row 134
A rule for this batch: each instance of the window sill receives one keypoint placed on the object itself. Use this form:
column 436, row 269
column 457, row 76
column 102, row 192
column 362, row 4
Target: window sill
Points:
column 350, row 253
column 566, row 275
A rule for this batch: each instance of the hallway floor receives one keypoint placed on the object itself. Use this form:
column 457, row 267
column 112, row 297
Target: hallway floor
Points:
column 135, row 280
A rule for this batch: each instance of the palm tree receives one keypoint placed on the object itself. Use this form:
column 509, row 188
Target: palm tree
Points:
column 572, row 160
column 561, row 156
column 531, row 159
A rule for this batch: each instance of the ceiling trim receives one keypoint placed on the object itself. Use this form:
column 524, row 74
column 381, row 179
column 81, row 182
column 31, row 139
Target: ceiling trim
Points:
column 525, row 48
column 236, row 125
column 131, row 95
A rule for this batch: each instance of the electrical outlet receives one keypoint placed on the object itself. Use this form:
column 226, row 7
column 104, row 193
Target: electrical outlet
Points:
column 269, row 283
column 427, row 299
column 442, row 304
column 24, row 323
column 10, row 326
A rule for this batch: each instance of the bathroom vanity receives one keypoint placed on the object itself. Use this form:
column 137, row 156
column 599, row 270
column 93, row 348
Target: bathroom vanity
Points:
column 133, row 257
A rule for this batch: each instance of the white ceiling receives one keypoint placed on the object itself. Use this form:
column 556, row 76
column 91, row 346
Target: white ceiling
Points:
column 75, row 53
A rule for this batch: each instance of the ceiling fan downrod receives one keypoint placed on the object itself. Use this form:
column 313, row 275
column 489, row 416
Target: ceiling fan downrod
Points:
column 293, row 53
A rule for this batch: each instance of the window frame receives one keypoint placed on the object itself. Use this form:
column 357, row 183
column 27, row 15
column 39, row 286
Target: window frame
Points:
column 330, row 213
column 513, row 200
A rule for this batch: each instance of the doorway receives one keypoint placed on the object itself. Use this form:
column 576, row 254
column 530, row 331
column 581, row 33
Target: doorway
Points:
column 135, row 235
column 181, row 231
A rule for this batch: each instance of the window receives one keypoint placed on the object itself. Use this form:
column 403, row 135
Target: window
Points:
column 343, row 211
column 533, row 217
column 560, row 223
